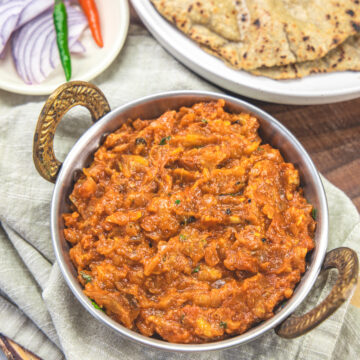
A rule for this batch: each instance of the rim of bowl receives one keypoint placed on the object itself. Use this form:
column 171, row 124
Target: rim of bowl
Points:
column 307, row 280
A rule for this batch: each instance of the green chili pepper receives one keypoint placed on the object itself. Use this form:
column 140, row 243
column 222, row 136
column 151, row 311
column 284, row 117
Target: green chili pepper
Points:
column 61, row 29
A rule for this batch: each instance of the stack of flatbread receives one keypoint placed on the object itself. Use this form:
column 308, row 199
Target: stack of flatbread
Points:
column 280, row 39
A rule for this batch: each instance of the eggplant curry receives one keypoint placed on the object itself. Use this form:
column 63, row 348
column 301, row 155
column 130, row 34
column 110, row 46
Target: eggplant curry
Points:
column 188, row 227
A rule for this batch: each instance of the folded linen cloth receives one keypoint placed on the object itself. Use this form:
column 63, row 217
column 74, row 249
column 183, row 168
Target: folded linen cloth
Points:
column 38, row 310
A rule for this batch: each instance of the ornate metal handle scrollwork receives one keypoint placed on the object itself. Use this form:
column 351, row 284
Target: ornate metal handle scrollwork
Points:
column 346, row 261
column 59, row 102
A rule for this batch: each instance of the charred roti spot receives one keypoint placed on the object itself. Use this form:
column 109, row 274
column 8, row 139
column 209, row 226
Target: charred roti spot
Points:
column 294, row 68
column 257, row 23
column 310, row 48
column 356, row 26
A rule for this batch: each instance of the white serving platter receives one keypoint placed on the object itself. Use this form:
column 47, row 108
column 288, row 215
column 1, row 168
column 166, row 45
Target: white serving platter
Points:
column 114, row 19
column 313, row 89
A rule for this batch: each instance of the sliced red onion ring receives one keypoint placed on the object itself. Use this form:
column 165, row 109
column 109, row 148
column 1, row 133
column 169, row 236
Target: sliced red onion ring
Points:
column 78, row 48
column 34, row 47
column 15, row 13
column 9, row 15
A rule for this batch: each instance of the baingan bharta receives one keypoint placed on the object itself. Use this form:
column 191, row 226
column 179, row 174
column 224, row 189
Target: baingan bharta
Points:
column 188, row 227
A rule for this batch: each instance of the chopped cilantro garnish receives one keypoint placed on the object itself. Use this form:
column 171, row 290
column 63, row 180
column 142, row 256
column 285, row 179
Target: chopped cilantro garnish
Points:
column 164, row 140
column 182, row 318
column 196, row 270
column 223, row 324
column 177, row 202
column 204, row 121
column 182, row 237
column 96, row 306
column 314, row 213
column 86, row 277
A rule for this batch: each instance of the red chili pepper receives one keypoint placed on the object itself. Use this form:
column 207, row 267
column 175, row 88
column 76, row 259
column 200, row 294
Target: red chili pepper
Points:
column 90, row 10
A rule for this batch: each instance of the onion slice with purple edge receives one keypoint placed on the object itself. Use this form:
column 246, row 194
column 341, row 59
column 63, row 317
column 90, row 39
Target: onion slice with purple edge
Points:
column 34, row 47
column 16, row 13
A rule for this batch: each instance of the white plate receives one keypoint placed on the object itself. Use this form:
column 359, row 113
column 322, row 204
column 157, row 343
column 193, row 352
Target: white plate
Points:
column 114, row 18
column 313, row 89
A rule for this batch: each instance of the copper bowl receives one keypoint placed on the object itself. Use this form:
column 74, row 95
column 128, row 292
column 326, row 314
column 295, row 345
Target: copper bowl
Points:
column 106, row 121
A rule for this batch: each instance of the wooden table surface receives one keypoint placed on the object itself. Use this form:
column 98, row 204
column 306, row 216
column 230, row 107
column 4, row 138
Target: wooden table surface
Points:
column 330, row 134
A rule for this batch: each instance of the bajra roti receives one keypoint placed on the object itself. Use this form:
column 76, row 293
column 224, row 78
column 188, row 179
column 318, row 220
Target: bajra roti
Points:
column 250, row 34
column 346, row 56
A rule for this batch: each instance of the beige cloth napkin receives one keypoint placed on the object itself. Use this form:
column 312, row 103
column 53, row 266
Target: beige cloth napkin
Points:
column 38, row 310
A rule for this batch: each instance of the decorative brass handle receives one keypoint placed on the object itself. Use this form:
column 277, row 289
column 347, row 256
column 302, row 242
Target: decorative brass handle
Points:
column 346, row 261
column 59, row 102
